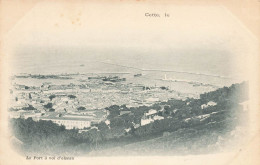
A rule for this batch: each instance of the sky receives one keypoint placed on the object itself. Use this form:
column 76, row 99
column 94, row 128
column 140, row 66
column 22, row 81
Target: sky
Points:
column 200, row 39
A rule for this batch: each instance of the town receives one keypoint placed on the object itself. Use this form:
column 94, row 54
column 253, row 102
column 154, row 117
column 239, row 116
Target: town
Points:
column 82, row 102
column 86, row 114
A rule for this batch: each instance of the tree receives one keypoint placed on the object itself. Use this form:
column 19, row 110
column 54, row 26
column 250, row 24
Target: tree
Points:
column 71, row 96
column 81, row 108
column 102, row 126
column 52, row 97
column 48, row 106
column 30, row 107
column 113, row 111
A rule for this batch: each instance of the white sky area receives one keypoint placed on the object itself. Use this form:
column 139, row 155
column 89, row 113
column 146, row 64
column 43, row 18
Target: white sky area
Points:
column 200, row 39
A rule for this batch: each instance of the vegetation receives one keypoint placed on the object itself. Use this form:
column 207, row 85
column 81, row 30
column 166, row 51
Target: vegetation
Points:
column 81, row 108
column 52, row 97
column 48, row 106
column 71, row 96
column 179, row 116
column 30, row 107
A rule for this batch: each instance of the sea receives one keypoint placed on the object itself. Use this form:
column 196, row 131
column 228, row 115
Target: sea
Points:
column 186, row 70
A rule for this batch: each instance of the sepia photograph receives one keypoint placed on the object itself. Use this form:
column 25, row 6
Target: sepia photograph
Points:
column 88, row 80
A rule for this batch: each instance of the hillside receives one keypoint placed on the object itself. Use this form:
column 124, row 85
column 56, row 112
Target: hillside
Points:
column 191, row 126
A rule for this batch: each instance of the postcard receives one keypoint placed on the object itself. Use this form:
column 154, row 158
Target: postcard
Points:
column 130, row 82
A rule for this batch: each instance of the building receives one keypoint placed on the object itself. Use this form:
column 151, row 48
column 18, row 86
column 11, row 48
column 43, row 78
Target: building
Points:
column 158, row 118
column 150, row 117
column 124, row 112
column 69, row 122
column 209, row 104
column 150, row 113
column 107, row 122
column 152, row 99
column 25, row 114
column 145, row 121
